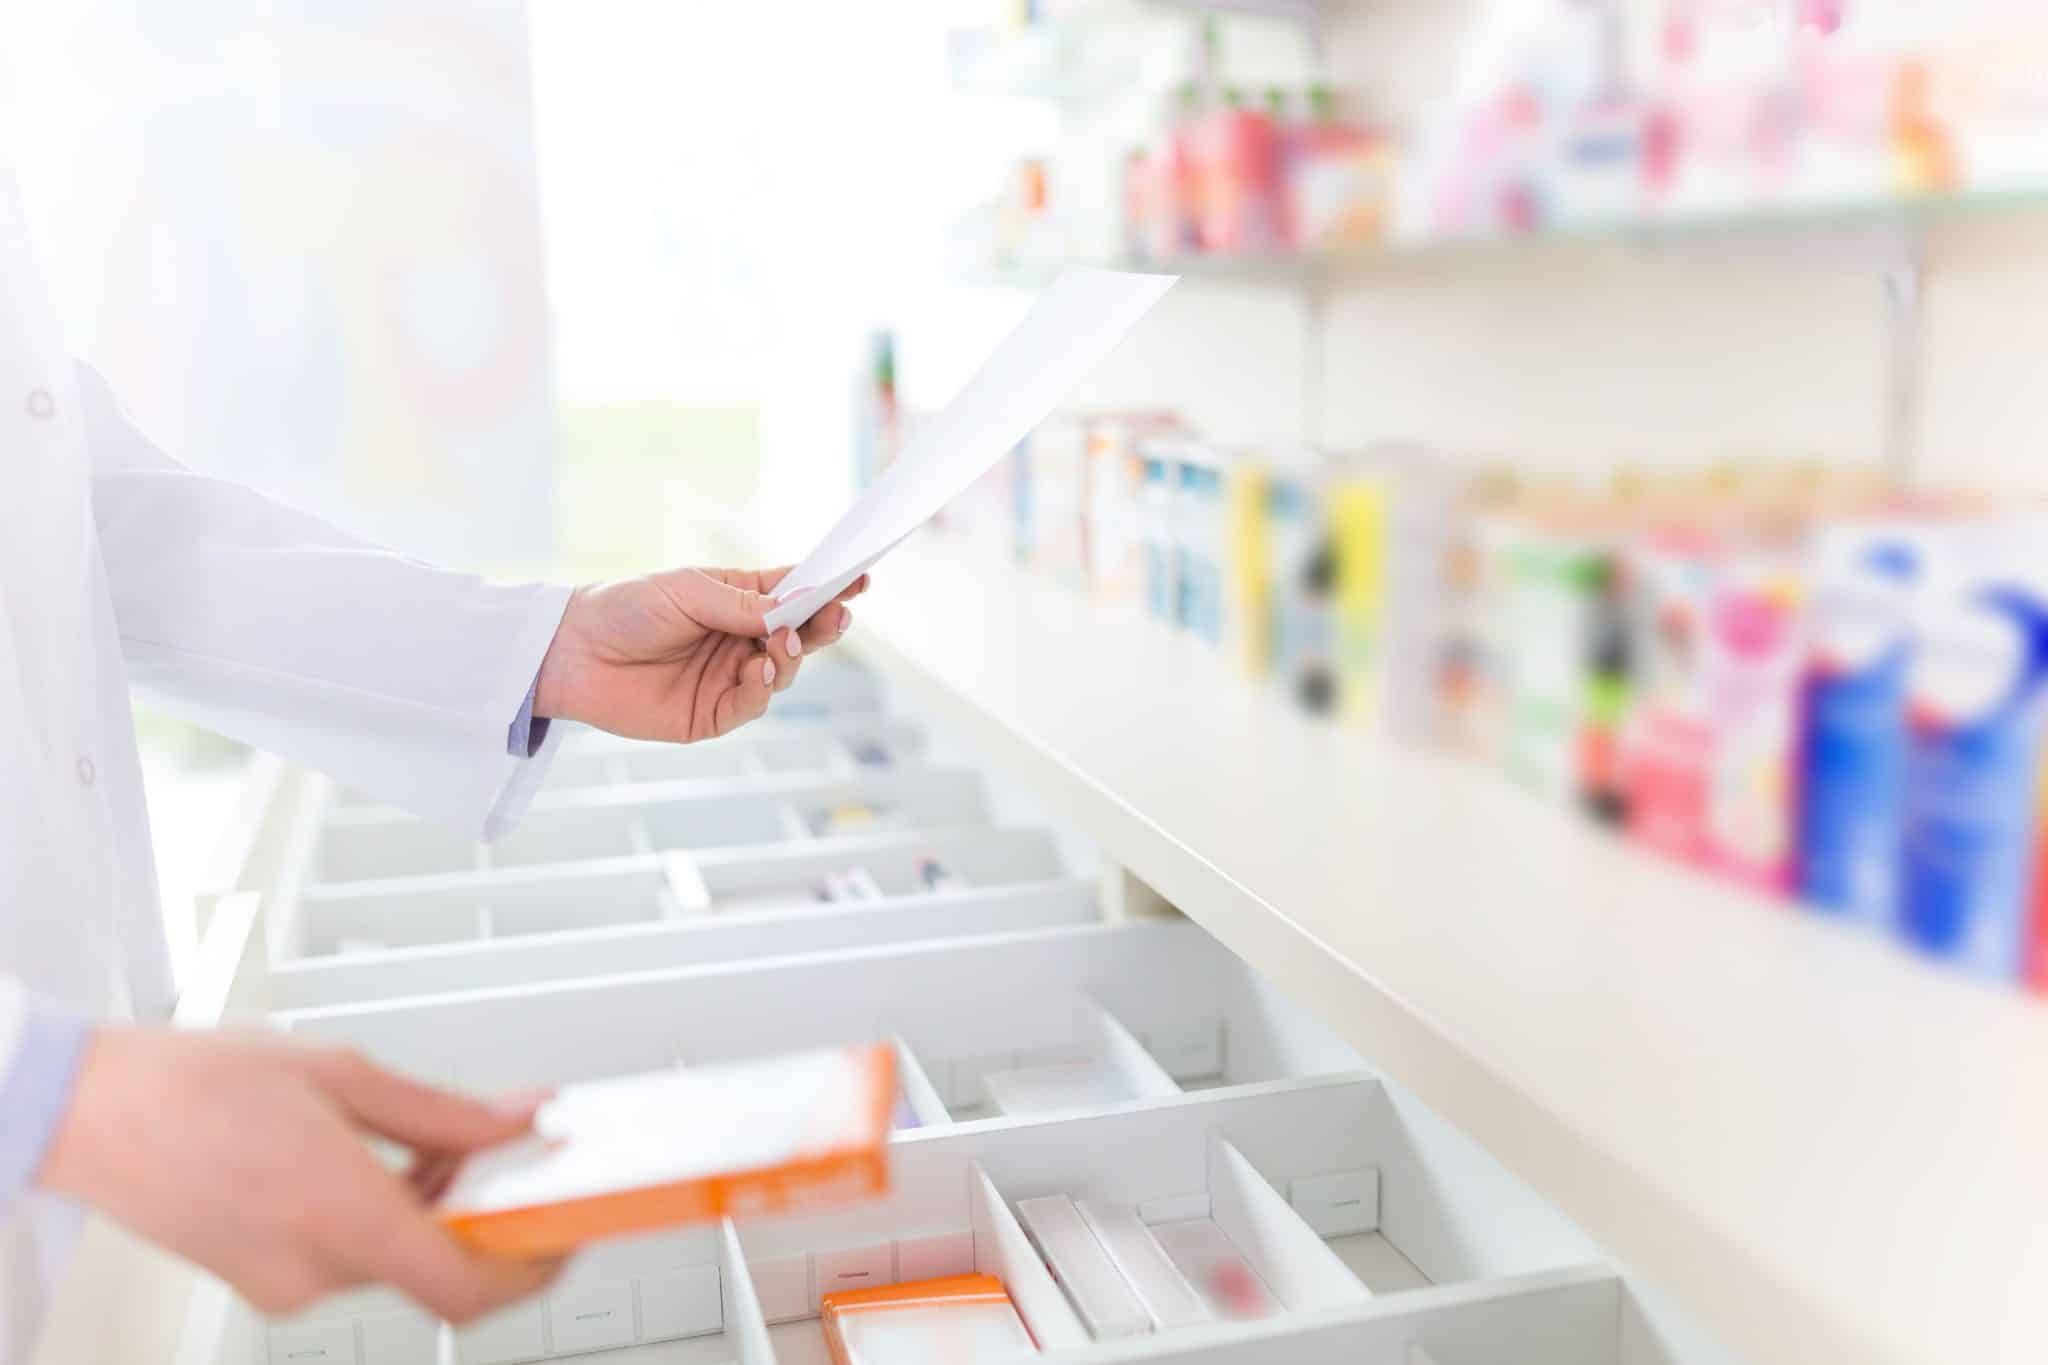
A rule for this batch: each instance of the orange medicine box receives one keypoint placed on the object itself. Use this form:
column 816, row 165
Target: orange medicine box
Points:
column 632, row 1154
column 957, row 1320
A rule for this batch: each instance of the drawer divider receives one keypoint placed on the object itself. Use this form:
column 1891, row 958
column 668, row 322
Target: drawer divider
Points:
column 746, row 1329
column 1002, row 1249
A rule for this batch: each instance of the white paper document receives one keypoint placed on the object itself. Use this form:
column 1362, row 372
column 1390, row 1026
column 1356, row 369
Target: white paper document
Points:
column 1074, row 324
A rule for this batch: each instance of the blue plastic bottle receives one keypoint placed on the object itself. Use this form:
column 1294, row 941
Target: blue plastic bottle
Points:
column 1977, row 701
column 1852, row 762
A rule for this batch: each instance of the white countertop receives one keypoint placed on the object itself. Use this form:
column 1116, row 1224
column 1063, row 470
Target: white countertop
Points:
column 1828, row 1150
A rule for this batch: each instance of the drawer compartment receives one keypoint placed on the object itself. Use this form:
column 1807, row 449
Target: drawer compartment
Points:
column 338, row 944
column 373, row 842
column 1499, row 1275
column 847, row 744
column 964, row 1008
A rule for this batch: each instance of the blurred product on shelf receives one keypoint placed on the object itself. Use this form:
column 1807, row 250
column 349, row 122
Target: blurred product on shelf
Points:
column 1231, row 175
column 1339, row 178
column 1731, row 665
column 1977, row 694
column 1568, row 115
column 1866, row 580
column 1579, row 114
column 877, row 428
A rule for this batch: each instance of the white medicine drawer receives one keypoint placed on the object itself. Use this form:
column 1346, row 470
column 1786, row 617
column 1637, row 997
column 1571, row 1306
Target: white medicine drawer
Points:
column 831, row 876
column 336, row 943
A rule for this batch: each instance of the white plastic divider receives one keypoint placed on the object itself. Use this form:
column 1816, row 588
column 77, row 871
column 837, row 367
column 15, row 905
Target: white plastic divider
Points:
column 1007, row 993
column 1285, row 1252
column 525, row 960
column 1116, row 1045
column 587, row 823
column 686, row 885
column 918, row 1091
column 1004, row 1250
column 421, row 908
column 1562, row 1317
column 746, row 1329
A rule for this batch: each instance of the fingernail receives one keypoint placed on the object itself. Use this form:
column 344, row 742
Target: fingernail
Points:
column 796, row 646
column 768, row 671
column 845, row 621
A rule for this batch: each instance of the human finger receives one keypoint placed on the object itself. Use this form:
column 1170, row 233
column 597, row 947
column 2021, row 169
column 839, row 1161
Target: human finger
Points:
column 827, row 626
column 420, row 1116
column 786, row 648
column 746, row 695
column 726, row 601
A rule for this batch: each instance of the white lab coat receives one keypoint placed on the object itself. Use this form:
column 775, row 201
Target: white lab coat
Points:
column 119, row 566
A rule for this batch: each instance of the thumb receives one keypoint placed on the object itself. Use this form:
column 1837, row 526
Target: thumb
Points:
column 719, row 606
column 420, row 1116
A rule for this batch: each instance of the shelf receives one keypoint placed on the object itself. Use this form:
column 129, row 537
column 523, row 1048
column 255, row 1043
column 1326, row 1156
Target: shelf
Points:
column 1834, row 226
column 1066, row 60
column 1828, row 1149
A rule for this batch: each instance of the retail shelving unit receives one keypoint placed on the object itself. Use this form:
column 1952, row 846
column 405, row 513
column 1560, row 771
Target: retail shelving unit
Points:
column 1825, row 1149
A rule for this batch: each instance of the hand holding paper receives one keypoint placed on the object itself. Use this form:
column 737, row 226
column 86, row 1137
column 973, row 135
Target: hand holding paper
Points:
column 1074, row 324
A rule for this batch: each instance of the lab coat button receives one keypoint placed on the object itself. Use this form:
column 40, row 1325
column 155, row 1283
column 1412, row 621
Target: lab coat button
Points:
column 41, row 406
column 86, row 771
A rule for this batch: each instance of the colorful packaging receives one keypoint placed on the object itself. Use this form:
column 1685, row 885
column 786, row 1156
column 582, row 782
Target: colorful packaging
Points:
column 1359, row 520
column 1480, row 718
column 1550, row 597
column 1607, row 683
column 1198, row 541
column 1755, row 648
column 1977, row 695
column 1340, row 180
column 1113, row 484
column 1238, row 166
column 1665, row 741
column 2037, row 959
column 609, row 1158
column 960, row 1318
column 1303, row 588
column 1462, row 673
column 1155, row 515
column 1852, row 759
column 1175, row 198
column 1248, row 557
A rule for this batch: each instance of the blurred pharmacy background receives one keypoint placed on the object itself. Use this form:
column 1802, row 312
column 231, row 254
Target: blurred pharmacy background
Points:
column 1643, row 397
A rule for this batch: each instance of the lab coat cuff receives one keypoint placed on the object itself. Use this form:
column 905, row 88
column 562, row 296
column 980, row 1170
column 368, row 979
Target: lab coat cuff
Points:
column 528, row 733
column 35, row 1093
column 528, row 770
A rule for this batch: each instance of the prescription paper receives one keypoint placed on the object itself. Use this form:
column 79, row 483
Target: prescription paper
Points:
column 1074, row 324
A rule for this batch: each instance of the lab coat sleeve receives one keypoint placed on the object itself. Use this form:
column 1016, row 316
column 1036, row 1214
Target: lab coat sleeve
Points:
column 40, row 1052
column 271, row 626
